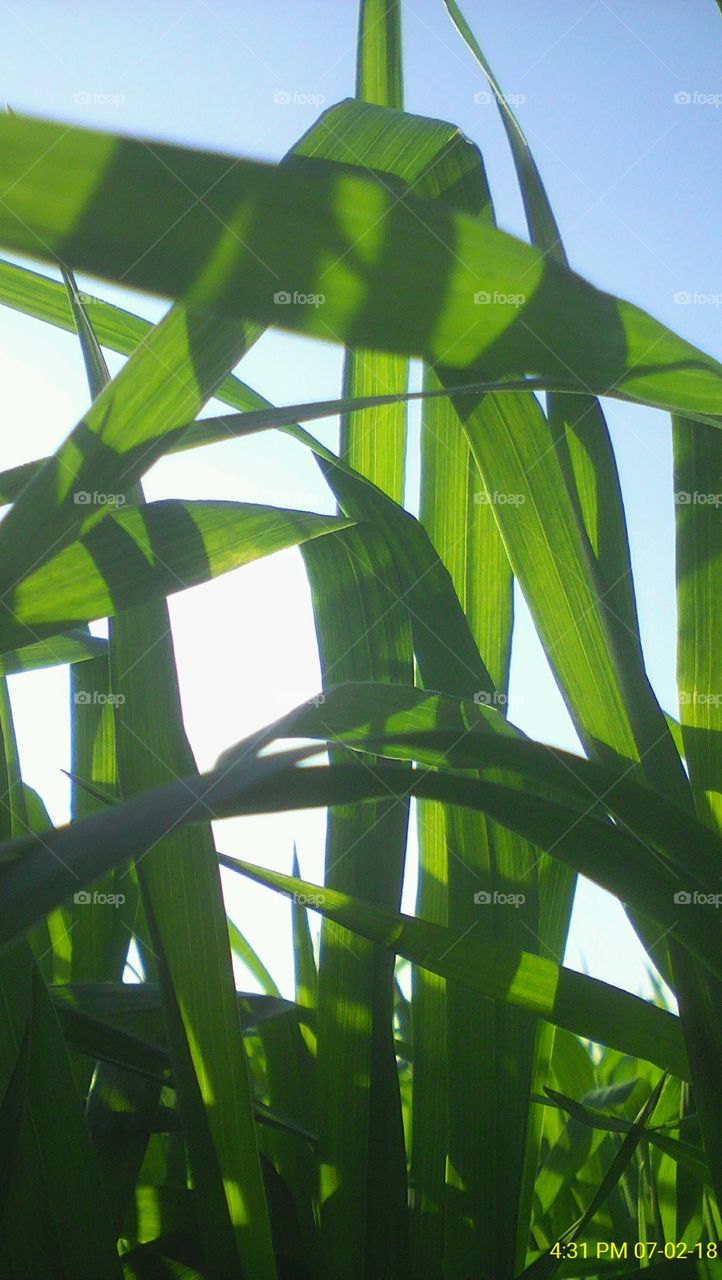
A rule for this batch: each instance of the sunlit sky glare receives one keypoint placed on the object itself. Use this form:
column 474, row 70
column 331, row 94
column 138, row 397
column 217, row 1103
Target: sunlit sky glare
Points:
column 622, row 103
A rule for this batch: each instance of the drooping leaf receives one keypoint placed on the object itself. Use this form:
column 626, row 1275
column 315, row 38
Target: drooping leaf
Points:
column 530, row 982
column 402, row 293
column 141, row 554
column 74, row 646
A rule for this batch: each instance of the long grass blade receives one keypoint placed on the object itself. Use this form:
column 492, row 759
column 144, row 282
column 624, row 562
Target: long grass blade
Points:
column 416, row 299
column 584, row 1005
column 363, row 1162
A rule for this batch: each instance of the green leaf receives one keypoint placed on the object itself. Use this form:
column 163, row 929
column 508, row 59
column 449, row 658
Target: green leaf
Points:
column 444, row 647
column 698, row 458
column 436, row 730
column 437, row 161
column 122, row 423
column 242, row 949
column 99, row 934
column 487, row 1201
column 548, row 1264
column 278, row 229
column 697, row 461
column 97, row 1039
column 375, row 443
column 685, row 1153
column 378, row 53
column 99, row 938
column 137, row 1008
column 96, row 369
column 140, row 554
column 584, row 1005
column 613, row 858
column 579, row 431
column 104, row 839
column 304, row 960
column 183, row 903
column 120, row 1113
column 540, row 218
column 231, row 426
column 291, row 1084
column 363, row 1191
column 12, row 1111
column 187, row 936
column 581, row 449
column 74, row 646
column 46, row 299
column 56, row 1220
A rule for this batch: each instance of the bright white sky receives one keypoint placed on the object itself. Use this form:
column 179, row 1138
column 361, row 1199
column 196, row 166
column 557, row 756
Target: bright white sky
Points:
column 598, row 82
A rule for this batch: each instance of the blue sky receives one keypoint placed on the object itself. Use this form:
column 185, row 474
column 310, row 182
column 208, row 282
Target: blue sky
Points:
column 622, row 103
